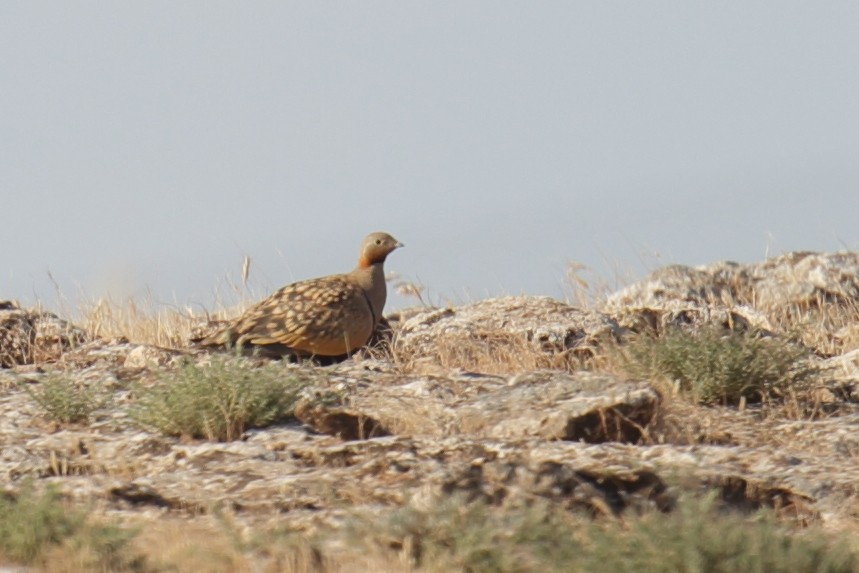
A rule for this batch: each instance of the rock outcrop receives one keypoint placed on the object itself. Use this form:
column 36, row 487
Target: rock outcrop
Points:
column 815, row 292
column 480, row 332
column 33, row 336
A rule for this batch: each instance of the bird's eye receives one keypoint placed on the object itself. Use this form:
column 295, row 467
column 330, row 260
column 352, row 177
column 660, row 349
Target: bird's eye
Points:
column 378, row 241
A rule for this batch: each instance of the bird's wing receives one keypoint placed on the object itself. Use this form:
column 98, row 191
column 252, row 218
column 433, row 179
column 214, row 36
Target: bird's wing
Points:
column 328, row 316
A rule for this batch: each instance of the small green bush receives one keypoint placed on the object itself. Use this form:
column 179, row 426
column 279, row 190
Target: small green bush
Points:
column 697, row 537
column 218, row 401
column 29, row 522
column 453, row 535
column 33, row 522
column 66, row 401
column 713, row 366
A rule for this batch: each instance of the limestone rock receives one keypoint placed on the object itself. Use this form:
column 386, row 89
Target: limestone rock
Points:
column 793, row 278
column 583, row 407
column 810, row 286
column 145, row 356
column 842, row 375
column 34, row 335
column 538, row 323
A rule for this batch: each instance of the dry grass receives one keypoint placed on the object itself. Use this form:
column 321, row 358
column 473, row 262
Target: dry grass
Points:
column 490, row 352
column 682, row 422
column 140, row 322
column 206, row 545
column 586, row 289
column 145, row 320
column 190, row 546
column 830, row 327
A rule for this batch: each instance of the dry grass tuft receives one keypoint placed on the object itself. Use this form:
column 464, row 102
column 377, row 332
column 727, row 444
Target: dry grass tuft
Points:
column 141, row 322
column 830, row 326
column 586, row 289
column 202, row 546
column 490, row 352
column 148, row 321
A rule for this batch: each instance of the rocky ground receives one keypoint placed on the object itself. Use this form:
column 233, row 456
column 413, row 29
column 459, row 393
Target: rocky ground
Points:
column 505, row 399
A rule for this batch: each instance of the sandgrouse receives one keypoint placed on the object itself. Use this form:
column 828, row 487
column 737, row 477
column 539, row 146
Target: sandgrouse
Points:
column 323, row 317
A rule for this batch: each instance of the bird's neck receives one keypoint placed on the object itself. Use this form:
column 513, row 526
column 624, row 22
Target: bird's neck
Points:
column 371, row 278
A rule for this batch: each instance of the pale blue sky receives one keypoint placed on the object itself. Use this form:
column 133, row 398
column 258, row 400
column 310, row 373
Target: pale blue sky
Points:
column 150, row 145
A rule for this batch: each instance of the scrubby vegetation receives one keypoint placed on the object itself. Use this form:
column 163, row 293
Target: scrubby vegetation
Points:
column 698, row 536
column 448, row 535
column 715, row 366
column 216, row 401
column 40, row 527
column 64, row 400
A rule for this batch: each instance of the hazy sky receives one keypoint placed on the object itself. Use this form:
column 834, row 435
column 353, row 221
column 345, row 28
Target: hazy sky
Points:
column 151, row 145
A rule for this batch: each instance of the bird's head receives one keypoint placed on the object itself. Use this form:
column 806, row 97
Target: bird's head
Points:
column 376, row 248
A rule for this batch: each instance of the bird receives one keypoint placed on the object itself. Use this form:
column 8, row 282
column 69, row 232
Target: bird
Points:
column 325, row 317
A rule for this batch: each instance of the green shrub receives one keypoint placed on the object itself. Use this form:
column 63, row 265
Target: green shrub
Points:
column 66, row 401
column 106, row 547
column 697, row 537
column 31, row 523
column 713, row 366
column 218, row 401
column 457, row 536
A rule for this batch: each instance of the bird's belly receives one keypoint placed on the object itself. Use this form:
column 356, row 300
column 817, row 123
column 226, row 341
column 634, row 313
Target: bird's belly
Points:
column 334, row 343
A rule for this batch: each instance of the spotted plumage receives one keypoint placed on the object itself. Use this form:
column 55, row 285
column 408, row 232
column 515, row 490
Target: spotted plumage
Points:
column 325, row 317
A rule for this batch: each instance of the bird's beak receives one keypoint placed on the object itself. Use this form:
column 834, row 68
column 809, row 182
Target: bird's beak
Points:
column 399, row 244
